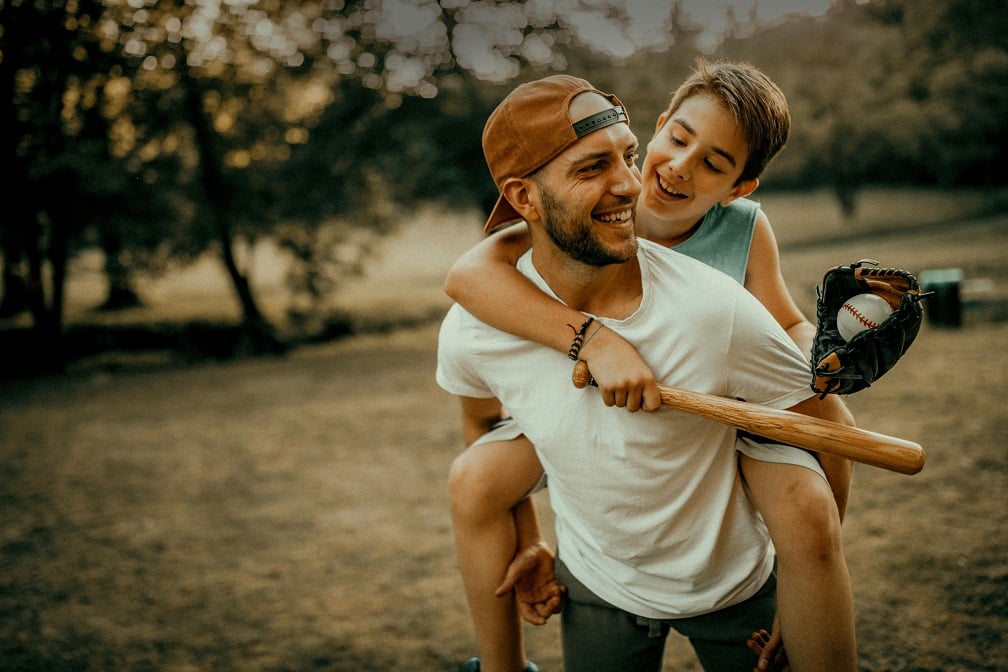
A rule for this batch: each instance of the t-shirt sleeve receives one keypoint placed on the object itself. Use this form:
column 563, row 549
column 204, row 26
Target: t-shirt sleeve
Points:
column 456, row 370
column 766, row 366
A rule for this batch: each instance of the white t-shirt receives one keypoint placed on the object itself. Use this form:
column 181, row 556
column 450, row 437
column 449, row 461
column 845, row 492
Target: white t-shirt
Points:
column 650, row 509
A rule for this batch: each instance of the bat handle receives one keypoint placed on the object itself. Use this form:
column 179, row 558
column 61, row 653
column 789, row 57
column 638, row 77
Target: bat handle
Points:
column 581, row 377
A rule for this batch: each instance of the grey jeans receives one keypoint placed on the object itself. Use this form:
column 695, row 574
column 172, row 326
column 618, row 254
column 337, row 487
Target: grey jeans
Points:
column 598, row 637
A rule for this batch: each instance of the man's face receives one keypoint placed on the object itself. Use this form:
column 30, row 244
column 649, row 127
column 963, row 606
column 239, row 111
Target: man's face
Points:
column 693, row 161
column 588, row 194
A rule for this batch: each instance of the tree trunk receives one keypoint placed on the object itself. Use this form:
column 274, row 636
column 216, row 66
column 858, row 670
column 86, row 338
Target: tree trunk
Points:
column 58, row 258
column 259, row 336
column 15, row 288
column 121, row 294
column 46, row 351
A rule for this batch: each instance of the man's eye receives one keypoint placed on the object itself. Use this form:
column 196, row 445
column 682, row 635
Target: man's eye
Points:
column 631, row 158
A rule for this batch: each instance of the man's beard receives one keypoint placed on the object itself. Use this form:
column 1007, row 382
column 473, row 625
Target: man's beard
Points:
column 575, row 236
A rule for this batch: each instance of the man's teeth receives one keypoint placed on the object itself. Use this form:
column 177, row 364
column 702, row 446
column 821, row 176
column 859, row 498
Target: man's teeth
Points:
column 616, row 216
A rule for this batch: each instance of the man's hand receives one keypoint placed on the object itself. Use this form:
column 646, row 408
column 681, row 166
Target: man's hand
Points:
column 623, row 378
column 532, row 577
column 770, row 649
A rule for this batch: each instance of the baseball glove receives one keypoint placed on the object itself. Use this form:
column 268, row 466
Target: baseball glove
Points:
column 842, row 367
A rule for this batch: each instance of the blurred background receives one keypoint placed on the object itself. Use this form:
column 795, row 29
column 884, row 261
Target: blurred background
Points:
column 254, row 154
column 224, row 228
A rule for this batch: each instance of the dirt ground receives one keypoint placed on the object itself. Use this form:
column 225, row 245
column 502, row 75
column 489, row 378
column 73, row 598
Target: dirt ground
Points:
column 291, row 514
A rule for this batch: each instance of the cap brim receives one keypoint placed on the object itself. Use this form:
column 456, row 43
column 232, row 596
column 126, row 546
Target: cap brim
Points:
column 503, row 215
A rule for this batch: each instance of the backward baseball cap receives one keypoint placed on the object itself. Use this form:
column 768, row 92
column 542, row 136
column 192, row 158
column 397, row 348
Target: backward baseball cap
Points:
column 531, row 127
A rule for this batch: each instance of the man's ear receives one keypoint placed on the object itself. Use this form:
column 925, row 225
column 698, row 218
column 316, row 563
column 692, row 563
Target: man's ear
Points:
column 518, row 192
column 741, row 190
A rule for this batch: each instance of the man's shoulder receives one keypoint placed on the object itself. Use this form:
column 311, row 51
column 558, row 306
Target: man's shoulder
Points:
column 458, row 318
column 671, row 259
column 462, row 332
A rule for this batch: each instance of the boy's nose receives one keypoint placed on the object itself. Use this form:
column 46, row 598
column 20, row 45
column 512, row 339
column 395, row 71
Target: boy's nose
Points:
column 679, row 165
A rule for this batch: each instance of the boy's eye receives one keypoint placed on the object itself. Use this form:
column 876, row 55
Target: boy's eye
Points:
column 712, row 167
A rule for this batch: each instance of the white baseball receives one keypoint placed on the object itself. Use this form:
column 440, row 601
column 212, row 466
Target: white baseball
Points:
column 863, row 311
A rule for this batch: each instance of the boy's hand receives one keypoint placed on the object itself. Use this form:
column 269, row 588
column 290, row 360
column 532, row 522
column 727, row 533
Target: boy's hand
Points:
column 532, row 577
column 623, row 378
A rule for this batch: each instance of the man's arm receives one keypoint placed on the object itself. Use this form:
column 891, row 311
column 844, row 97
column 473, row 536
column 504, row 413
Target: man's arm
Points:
column 485, row 282
column 478, row 416
column 531, row 572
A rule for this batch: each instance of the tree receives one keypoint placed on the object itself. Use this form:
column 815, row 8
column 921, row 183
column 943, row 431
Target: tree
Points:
column 49, row 156
column 957, row 57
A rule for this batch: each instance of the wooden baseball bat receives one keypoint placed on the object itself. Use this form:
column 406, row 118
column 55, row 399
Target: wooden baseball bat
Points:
column 803, row 431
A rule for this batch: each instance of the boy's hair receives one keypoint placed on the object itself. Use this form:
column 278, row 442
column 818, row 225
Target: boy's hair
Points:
column 758, row 105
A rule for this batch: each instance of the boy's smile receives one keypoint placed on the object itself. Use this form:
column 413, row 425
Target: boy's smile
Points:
column 693, row 162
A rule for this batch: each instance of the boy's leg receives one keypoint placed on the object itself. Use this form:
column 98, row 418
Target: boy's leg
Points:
column 486, row 482
column 814, row 600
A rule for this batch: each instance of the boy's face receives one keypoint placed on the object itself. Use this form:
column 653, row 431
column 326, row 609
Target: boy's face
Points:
column 693, row 161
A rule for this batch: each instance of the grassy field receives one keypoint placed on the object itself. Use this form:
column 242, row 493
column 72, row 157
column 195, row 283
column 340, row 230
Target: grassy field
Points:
column 291, row 514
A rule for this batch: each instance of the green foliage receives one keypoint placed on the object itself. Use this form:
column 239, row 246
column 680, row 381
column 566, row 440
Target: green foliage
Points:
column 160, row 130
column 53, row 158
column 890, row 92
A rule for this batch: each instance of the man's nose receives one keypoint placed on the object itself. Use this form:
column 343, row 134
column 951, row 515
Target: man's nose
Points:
column 628, row 181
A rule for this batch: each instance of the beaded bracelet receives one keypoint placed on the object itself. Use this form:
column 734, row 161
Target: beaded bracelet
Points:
column 579, row 339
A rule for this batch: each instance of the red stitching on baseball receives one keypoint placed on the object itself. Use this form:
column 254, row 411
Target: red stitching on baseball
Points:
column 865, row 322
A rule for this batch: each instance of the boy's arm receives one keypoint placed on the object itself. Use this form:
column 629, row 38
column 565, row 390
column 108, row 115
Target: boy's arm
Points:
column 485, row 282
column 765, row 281
column 839, row 471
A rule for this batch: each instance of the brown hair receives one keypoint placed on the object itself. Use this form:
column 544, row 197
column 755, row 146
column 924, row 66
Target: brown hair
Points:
column 758, row 105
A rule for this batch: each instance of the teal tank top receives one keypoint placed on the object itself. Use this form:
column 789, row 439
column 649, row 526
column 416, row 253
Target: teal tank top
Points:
column 724, row 237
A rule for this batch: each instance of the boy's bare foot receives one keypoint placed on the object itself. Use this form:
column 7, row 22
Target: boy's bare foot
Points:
column 770, row 649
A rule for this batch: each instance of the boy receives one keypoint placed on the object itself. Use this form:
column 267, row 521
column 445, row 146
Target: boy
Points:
column 721, row 129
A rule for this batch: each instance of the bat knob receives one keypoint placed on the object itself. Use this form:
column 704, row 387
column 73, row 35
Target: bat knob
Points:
column 581, row 377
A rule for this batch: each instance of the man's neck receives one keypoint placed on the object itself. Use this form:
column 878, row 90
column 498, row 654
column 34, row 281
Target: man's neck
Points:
column 606, row 291
column 664, row 232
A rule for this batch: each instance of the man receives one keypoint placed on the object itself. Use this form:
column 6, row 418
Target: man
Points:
column 653, row 524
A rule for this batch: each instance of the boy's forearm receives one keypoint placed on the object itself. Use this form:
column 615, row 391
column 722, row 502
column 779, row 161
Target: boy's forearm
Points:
column 839, row 474
column 802, row 333
column 839, row 471
column 499, row 295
